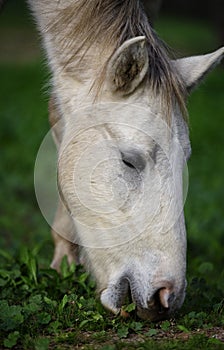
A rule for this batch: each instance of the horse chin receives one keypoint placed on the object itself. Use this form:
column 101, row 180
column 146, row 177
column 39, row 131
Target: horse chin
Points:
column 154, row 314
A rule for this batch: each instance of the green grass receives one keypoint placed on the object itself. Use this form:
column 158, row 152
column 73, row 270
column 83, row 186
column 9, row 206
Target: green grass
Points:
column 23, row 125
column 40, row 309
column 205, row 205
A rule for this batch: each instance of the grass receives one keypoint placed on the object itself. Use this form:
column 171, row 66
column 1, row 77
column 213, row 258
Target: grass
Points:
column 40, row 309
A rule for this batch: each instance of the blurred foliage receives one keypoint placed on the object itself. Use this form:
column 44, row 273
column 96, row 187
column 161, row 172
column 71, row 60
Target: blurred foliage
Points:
column 190, row 36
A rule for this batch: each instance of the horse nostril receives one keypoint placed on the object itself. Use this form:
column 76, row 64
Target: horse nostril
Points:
column 164, row 295
column 163, row 299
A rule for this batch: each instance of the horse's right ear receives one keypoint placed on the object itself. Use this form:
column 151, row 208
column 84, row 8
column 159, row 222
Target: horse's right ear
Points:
column 128, row 66
column 193, row 69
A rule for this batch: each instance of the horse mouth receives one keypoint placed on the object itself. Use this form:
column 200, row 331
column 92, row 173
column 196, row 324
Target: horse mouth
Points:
column 158, row 307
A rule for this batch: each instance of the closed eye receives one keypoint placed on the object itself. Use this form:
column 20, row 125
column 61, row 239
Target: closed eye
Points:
column 133, row 159
column 128, row 164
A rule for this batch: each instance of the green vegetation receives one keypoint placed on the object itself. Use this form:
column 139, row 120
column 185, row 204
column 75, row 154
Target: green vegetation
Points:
column 40, row 309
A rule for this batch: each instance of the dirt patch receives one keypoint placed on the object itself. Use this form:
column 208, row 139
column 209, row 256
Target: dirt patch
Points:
column 90, row 340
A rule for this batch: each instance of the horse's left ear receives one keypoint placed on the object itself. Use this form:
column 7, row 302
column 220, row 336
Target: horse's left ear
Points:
column 128, row 66
column 193, row 69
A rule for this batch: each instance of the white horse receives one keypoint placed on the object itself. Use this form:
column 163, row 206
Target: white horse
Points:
column 120, row 125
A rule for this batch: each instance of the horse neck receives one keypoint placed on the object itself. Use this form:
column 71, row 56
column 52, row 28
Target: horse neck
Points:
column 83, row 67
column 71, row 61
column 74, row 76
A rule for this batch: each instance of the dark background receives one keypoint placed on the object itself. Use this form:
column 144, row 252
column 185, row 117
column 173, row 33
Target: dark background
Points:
column 213, row 11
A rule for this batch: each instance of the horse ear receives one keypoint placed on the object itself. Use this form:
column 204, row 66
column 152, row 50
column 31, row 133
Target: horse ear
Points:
column 128, row 66
column 193, row 69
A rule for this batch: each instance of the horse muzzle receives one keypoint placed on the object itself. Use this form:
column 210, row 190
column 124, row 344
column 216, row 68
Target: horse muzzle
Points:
column 158, row 303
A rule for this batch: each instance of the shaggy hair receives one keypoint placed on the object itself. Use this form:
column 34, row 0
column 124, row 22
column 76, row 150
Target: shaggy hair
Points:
column 111, row 22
